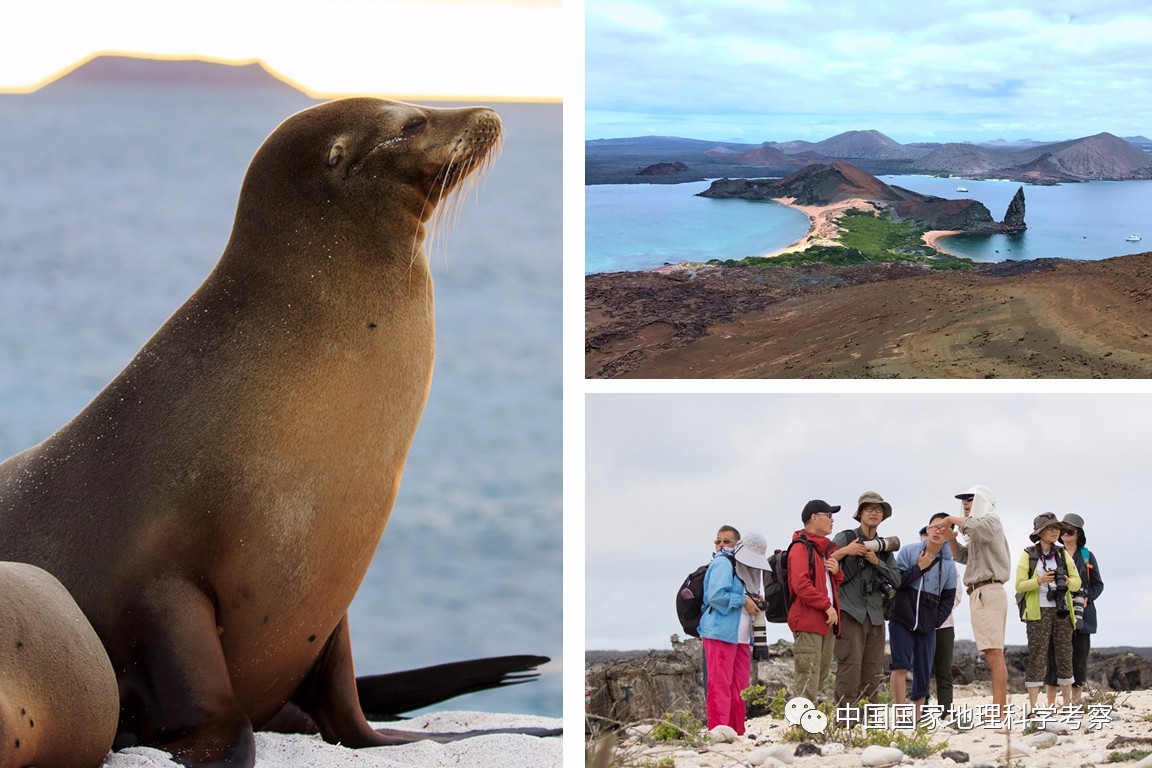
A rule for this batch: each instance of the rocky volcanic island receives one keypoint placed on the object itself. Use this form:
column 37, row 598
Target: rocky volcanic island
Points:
column 1053, row 318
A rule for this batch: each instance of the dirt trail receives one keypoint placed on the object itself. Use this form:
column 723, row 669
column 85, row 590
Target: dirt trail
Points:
column 1051, row 319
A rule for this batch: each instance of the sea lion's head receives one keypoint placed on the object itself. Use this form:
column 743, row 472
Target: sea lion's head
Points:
column 363, row 164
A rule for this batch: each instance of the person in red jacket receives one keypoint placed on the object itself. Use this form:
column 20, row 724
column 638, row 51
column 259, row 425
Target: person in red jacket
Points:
column 814, row 578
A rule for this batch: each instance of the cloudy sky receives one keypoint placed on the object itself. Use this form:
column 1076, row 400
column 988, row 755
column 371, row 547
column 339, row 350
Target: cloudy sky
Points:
column 665, row 471
column 495, row 49
column 951, row 70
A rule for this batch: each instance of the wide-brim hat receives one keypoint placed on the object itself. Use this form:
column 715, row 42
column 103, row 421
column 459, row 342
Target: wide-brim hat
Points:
column 817, row 506
column 752, row 551
column 871, row 497
column 1040, row 522
column 1074, row 520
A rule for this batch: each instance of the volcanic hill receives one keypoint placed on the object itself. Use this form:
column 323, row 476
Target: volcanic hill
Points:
column 824, row 185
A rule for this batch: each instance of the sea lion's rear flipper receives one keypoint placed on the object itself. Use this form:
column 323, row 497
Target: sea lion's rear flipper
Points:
column 329, row 697
column 385, row 697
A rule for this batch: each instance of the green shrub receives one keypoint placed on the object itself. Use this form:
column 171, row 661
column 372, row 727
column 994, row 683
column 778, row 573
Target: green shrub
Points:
column 678, row 726
column 1122, row 757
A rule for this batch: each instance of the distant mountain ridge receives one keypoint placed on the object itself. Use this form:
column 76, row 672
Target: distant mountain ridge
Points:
column 106, row 70
column 1102, row 156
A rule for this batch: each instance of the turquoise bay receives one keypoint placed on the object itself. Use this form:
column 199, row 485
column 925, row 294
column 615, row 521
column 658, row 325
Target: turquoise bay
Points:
column 642, row 226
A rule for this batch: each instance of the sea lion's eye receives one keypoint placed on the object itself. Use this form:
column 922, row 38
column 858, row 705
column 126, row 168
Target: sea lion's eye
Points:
column 336, row 155
column 414, row 126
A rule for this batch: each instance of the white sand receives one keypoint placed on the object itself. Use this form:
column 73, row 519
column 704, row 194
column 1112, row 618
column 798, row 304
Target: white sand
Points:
column 274, row 750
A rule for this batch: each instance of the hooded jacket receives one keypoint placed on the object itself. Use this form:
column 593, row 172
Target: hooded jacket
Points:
column 809, row 609
column 987, row 554
column 1092, row 584
column 723, row 599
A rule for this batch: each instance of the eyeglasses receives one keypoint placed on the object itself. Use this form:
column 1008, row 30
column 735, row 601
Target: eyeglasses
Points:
column 724, row 541
column 939, row 528
column 871, row 508
column 821, row 513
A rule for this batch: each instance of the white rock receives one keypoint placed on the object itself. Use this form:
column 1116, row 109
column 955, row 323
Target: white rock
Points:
column 880, row 757
column 1074, row 747
column 723, row 734
column 638, row 731
column 1017, row 750
column 835, row 748
column 1041, row 740
column 779, row 753
column 1145, row 763
column 1099, row 757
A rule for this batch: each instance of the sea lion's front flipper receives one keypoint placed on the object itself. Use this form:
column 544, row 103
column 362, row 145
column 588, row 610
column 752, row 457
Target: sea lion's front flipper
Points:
column 178, row 697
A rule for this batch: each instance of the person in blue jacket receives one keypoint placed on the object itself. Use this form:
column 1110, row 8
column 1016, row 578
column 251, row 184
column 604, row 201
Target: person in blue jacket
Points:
column 726, row 629
column 923, row 601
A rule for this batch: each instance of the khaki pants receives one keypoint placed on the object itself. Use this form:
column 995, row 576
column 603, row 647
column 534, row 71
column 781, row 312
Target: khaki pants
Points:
column 859, row 661
column 812, row 654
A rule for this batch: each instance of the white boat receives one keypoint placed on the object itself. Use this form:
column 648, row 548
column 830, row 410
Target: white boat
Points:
column 961, row 189
column 1133, row 238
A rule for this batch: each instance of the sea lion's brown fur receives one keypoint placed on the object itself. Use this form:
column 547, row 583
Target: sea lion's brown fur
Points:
column 215, row 508
column 58, row 700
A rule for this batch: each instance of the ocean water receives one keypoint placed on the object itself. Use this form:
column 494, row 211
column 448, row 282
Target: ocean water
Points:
column 115, row 205
column 1086, row 221
column 643, row 226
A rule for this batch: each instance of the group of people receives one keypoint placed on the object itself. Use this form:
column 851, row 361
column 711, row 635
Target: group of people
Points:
column 852, row 591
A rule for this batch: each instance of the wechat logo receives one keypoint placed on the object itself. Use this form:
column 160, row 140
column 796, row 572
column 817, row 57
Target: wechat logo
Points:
column 799, row 711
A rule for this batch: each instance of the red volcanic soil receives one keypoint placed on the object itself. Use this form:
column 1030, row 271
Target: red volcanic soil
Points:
column 1039, row 319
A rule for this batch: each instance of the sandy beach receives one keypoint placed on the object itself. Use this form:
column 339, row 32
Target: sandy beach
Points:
column 931, row 237
column 823, row 230
column 275, row 750
column 1071, row 740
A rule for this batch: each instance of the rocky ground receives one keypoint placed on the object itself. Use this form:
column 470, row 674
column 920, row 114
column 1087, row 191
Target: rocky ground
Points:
column 1049, row 318
column 1123, row 721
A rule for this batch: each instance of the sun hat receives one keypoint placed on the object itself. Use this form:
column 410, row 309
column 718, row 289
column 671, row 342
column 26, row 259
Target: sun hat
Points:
column 752, row 551
column 816, row 506
column 1042, row 521
column 1075, row 521
column 871, row 497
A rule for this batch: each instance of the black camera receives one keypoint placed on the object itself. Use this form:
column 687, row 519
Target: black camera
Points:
column 1057, row 591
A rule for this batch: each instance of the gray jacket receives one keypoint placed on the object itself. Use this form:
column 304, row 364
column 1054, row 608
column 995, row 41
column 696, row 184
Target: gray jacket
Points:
column 862, row 591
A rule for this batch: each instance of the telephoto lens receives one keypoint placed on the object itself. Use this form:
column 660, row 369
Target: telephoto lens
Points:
column 1079, row 600
column 883, row 544
column 759, row 636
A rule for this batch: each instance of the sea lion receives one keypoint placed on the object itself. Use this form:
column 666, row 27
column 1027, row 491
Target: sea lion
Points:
column 215, row 507
column 58, row 700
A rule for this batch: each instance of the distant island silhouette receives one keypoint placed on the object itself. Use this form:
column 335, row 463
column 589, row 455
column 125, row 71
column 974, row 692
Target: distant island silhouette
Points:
column 105, row 70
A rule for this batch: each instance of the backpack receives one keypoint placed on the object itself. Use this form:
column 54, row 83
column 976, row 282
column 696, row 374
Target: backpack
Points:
column 1032, row 560
column 690, row 598
column 777, row 595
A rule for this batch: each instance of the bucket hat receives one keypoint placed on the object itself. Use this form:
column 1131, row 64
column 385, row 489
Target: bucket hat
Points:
column 871, row 497
column 1040, row 522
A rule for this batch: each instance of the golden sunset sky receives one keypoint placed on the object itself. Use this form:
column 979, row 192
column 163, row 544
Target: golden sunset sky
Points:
column 507, row 49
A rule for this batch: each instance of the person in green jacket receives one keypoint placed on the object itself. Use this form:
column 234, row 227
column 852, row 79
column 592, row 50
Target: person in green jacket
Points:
column 1046, row 577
